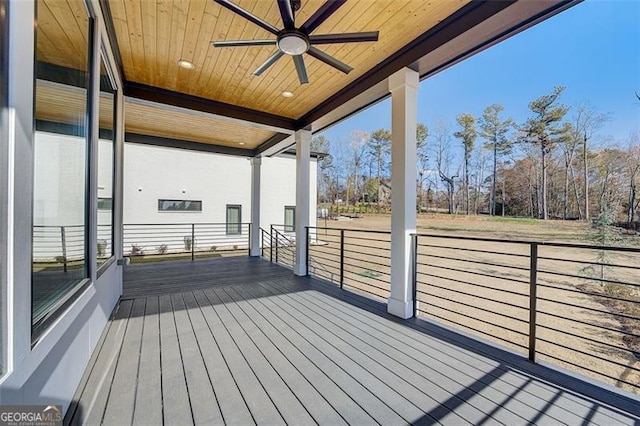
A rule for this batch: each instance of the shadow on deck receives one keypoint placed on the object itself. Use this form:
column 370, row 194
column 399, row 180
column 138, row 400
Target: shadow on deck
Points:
column 243, row 341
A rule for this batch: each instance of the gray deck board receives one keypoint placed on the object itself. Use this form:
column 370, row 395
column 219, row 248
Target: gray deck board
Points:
column 204, row 404
column 339, row 400
column 119, row 409
column 242, row 341
column 262, row 409
column 232, row 405
column 92, row 411
column 289, row 407
column 438, row 378
column 318, row 407
column 148, row 405
column 175, row 397
column 366, row 398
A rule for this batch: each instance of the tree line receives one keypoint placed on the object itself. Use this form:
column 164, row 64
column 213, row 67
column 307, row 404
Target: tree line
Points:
column 555, row 164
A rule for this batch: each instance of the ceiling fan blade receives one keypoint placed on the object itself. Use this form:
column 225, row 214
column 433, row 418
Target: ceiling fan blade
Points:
column 240, row 43
column 329, row 60
column 344, row 38
column 321, row 15
column 270, row 61
column 302, row 70
column 287, row 14
column 248, row 16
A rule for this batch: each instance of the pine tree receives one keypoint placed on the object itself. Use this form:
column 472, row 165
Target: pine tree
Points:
column 468, row 135
column 544, row 130
column 495, row 131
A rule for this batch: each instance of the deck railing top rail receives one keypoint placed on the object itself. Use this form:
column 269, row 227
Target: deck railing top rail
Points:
column 542, row 243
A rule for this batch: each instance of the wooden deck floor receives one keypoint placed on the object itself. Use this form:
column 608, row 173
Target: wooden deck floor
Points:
column 260, row 346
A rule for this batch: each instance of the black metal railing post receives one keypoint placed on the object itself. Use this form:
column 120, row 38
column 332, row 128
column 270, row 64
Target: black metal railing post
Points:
column 271, row 244
column 261, row 242
column 341, row 258
column 414, row 272
column 63, row 241
column 193, row 242
column 533, row 299
column 250, row 241
column 307, row 254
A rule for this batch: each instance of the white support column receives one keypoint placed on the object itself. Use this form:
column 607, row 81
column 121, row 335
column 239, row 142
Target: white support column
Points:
column 256, row 163
column 403, row 86
column 303, row 198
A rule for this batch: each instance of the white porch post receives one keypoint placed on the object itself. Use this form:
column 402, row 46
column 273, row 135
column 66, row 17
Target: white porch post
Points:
column 303, row 198
column 256, row 162
column 403, row 86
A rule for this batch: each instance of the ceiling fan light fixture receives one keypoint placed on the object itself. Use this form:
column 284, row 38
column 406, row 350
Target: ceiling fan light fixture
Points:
column 293, row 44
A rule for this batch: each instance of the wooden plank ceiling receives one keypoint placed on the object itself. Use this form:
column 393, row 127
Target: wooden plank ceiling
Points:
column 60, row 103
column 154, row 35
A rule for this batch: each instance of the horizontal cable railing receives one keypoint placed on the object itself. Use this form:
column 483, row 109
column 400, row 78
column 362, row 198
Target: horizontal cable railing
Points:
column 281, row 245
column 185, row 240
column 356, row 259
column 573, row 305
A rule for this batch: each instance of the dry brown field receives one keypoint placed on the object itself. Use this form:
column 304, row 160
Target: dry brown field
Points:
column 482, row 287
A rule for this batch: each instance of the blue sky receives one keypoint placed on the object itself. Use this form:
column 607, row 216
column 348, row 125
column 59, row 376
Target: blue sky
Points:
column 593, row 49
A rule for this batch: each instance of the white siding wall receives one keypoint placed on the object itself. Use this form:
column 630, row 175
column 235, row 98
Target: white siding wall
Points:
column 152, row 173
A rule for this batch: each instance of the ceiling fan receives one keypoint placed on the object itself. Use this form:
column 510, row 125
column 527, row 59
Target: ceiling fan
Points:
column 295, row 41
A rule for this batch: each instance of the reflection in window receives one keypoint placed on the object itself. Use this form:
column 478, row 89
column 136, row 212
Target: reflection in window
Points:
column 106, row 161
column 234, row 219
column 289, row 218
column 60, row 155
column 179, row 206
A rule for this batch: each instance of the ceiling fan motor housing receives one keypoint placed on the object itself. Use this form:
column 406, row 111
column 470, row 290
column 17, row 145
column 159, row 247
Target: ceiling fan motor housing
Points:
column 293, row 42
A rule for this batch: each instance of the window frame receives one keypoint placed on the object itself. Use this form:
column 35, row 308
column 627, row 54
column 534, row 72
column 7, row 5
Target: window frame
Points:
column 39, row 327
column 229, row 224
column 292, row 227
column 4, row 104
column 103, row 59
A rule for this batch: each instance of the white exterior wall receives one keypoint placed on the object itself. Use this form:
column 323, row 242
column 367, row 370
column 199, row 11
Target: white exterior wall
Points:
column 152, row 173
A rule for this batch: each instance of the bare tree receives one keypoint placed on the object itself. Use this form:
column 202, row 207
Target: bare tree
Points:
column 379, row 150
column 422, row 133
column 357, row 151
column 444, row 159
column 633, row 171
column 586, row 122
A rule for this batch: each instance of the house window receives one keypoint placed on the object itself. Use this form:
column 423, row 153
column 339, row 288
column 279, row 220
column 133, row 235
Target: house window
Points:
column 61, row 161
column 179, row 205
column 105, row 204
column 234, row 219
column 289, row 218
